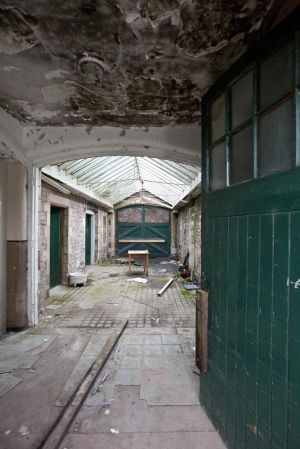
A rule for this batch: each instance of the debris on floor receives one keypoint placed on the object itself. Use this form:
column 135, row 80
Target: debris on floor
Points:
column 165, row 287
column 142, row 394
column 191, row 287
column 77, row 278
column 140, row 280
column 105, row 404
column 23, row 431
column 185, row 272
column 122, row 261
column 114, row 354
column 155, row 322
column 99, row 384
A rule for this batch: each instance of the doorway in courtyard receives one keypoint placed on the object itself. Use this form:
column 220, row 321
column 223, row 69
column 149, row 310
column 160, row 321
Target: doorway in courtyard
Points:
column 56, row 236
column 144, row 228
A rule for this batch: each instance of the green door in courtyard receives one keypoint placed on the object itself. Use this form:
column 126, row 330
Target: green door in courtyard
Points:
column 143, row 228
column 251, row 245
column 88, row 238
column 55, row 264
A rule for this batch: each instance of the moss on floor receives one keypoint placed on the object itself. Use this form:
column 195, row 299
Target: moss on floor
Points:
column 57, row 299
column 97, row 292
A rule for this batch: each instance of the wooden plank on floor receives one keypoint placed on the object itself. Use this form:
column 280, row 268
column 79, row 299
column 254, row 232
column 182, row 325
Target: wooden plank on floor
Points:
column 60, row 428
column 201, row 330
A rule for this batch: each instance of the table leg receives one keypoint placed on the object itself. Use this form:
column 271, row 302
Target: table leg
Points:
column 129, row 262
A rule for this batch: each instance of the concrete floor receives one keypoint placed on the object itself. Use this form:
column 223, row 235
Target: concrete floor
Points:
column 150, row 398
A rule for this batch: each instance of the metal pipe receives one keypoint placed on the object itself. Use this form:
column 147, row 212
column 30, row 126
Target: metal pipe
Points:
column 167, row 285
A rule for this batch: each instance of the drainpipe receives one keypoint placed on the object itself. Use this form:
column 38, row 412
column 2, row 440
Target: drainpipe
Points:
column 34, row 188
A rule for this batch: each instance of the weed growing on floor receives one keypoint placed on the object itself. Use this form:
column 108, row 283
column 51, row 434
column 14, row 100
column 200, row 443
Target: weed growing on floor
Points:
column 105, row 262
column 57, row 299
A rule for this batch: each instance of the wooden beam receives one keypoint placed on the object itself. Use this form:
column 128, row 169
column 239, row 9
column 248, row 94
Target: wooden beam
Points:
column 142, row 241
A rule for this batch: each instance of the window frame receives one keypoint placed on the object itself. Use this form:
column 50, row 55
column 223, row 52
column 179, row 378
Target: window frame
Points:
column 226, row 88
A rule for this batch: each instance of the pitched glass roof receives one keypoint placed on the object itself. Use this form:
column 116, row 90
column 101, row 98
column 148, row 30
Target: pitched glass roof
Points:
column 115, row 178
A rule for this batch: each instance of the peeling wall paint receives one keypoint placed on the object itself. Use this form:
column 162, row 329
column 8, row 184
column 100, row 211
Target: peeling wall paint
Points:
column 47, row 145
column 160, row 57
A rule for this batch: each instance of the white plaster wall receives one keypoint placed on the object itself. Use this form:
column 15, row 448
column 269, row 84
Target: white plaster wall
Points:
column 16, row 202
column 40, row 146
column 11, row 142
column 48, row 145
column 3, row 191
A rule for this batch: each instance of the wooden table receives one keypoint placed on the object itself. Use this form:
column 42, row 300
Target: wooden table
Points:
column 139, row 255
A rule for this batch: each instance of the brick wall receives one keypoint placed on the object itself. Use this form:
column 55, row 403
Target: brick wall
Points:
column 73, row 217
column 111, row 234
column 148, row 198
column 188, row 235
column 101, row 243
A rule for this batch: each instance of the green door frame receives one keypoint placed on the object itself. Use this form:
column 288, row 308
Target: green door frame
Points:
column 88, row 239
column 55, row 246
column 250, row 267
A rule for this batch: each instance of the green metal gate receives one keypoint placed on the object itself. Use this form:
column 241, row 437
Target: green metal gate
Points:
column 55, row 263
column 251, row 246
column 88, row 238
column 143, row 228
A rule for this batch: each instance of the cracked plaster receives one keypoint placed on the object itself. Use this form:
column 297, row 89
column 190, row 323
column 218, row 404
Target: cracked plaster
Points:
column 162, row 56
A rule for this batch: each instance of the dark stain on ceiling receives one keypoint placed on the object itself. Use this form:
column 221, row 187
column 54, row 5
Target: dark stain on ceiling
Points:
column 119, row 62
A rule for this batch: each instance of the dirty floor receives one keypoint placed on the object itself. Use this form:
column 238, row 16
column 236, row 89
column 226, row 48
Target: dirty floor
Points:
column 149, row 397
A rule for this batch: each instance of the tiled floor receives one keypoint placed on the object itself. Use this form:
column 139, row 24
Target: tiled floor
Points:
column 150, row 398
column 112, row 295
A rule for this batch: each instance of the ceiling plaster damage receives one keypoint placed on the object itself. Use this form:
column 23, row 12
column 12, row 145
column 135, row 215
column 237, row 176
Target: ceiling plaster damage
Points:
column 120, row 62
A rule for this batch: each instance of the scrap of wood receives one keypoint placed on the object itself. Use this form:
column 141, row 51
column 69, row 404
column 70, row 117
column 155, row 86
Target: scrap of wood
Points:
column 186, row 258
column 66, row 418
column 140, row 302
column 201, row 330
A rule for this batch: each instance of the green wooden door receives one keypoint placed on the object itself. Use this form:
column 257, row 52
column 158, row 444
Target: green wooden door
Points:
column 251, row 248
column 143, row 228
column 55, row 264
column 88, row 238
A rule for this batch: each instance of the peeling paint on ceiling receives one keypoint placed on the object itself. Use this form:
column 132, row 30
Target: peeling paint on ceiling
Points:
column 158, row 57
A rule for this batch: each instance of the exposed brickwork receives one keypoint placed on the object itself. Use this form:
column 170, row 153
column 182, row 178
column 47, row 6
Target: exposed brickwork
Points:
column 155, row 215
column 147, row 198
column 101, row 246
column 189, row 235
column 130, row 215
column 73, row 217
